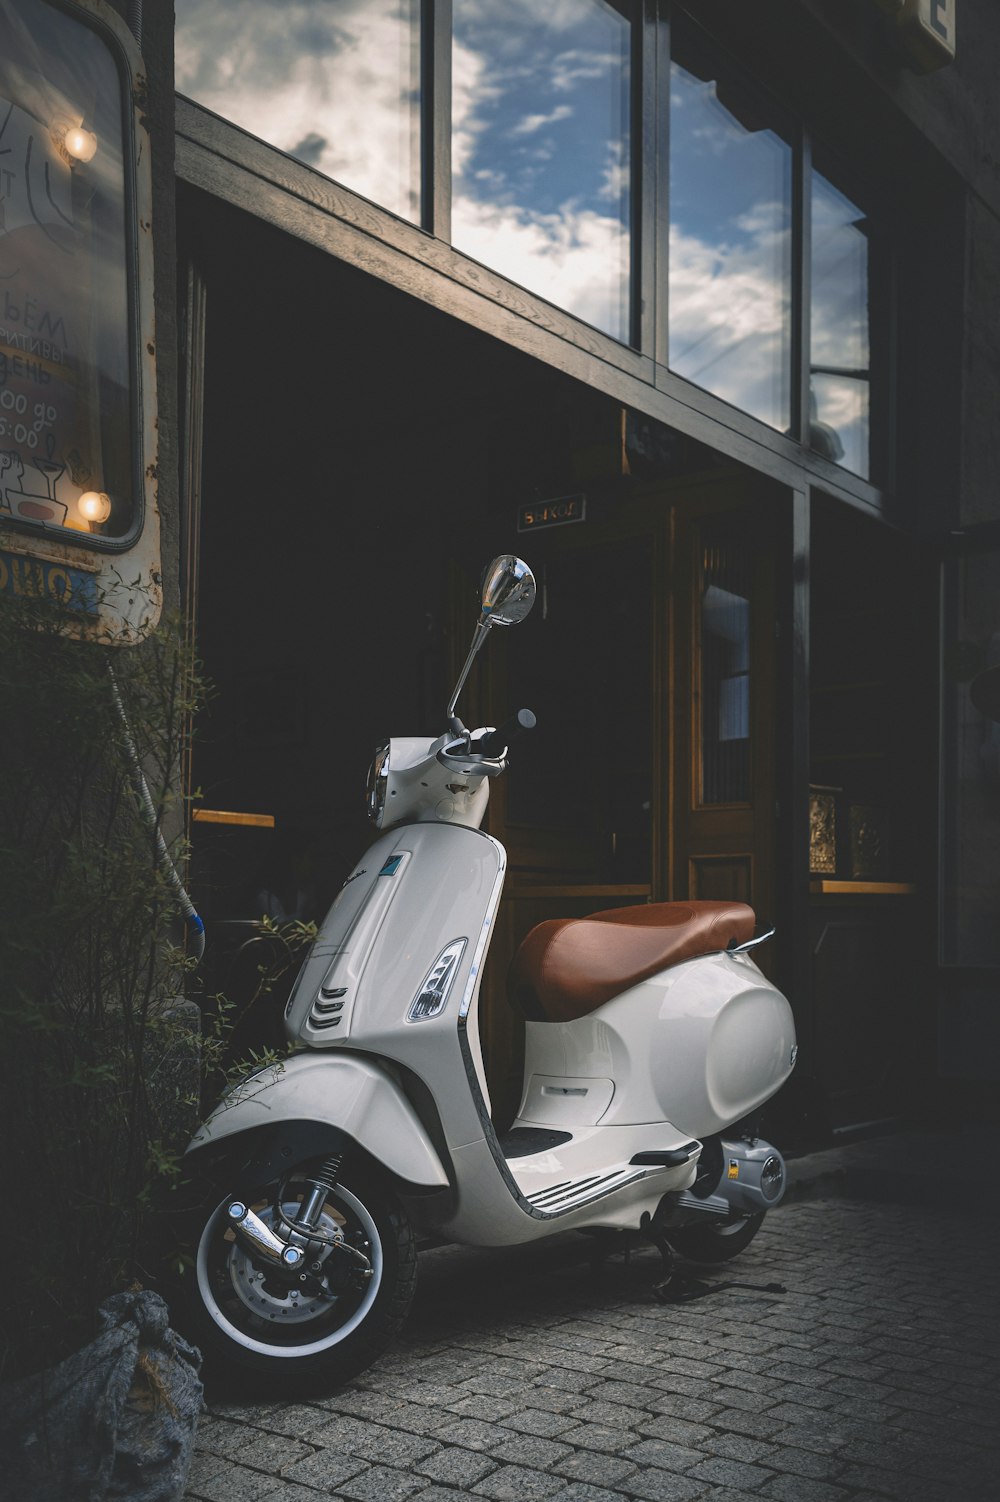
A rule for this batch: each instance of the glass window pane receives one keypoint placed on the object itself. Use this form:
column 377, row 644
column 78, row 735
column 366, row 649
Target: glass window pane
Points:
column 724, row 661
column 334, row 83
column 971, row 781
column 730, row 240
column 66, row 347
column 540, row 150
column 839, row 376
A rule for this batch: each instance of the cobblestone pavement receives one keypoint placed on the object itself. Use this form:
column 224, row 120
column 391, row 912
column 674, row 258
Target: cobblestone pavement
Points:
column 868, row 1372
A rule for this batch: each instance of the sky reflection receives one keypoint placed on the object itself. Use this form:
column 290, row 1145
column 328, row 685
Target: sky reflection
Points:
column 730, row 252
column 335, row 83
column 540, row 149
column 839, row 326
column 541, row 175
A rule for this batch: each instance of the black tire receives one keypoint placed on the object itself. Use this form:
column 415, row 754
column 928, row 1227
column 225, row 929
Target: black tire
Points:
column 716, row 1241
column 256, row 1328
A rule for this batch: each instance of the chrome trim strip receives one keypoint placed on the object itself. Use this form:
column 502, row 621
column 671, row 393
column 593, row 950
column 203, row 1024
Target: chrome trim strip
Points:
column 752, row 943
column 573, row 1197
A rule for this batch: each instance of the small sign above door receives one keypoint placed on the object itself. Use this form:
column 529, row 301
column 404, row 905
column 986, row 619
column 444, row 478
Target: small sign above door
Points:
column 554, row 513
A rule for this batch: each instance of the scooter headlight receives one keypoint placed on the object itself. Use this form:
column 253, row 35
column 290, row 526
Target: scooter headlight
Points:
column 378, row 776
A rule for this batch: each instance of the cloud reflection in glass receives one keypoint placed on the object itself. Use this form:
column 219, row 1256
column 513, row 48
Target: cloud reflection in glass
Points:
column 541, row 150
column 839, row 319
column 335, row 85
column 730, row 249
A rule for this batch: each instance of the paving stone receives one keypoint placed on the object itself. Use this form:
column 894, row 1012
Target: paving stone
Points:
column 655, row 1485
column 680, row 1431
column 555, row 1399
column 803, row 1462
column 631, row 1394
column 380, row 1484
column 610, row 1414
column 568, row 1381
column 800, row 1489
column 293, row 1419
column 234, row 1483
column 602, row 1437
column 675, row 1382
column 873, row 1377
column 325, row 1470
column 541, row 1421
column 220, row 1436
column 592, row 1467
column 291, row 1491
column 445, row 1494
column 374, row 1442
column 456, row 1467
column 737, row 1447
column 581, row 1491
column 531, row 1450
column 363, row 1404
column 512, row 1483
column 256, row 1447
column 416, row 1419
column 660, row 1452
column 736, row 1473
column 204, row 1465
column 750, row 1402
column 479, row 1405
column 806, row 1377
column 741, row 1421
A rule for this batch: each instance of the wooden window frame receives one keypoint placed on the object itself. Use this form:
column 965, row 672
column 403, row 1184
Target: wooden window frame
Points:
column 227, row 162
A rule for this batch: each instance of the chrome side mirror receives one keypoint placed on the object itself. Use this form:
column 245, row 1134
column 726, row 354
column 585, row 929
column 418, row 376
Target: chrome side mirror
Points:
column 508, row 591
column 508, row 594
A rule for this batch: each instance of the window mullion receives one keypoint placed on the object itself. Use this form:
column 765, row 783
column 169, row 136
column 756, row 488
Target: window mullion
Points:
column 660, row 152
column 801, row 288
column 645, row 202
column 435, row 118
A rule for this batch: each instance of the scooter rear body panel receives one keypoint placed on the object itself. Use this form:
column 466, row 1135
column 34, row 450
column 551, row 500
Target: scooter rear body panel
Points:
column 701, row 1044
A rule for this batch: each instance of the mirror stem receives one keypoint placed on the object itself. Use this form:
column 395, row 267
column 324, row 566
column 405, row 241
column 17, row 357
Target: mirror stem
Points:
column 480, row 634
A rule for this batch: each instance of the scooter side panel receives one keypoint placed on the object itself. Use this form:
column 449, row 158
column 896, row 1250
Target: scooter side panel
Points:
column 700, row 1044
column 340, row 1090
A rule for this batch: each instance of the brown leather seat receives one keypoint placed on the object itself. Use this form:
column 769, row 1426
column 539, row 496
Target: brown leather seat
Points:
column 568, row 967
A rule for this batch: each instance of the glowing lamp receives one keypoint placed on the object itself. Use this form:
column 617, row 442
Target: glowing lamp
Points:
column 94, row 506
column 80, row 143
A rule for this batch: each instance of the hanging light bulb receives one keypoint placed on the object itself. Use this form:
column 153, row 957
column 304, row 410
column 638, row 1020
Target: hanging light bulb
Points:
column 80, row 143
column 94, row 505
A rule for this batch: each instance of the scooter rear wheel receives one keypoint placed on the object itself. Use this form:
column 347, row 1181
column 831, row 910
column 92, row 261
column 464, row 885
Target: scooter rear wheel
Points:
column 259, row 1326
column 719, row 1241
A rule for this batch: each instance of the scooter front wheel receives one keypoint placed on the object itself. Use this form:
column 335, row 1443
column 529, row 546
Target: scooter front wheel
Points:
column 313, row 1330
column 717, row 1241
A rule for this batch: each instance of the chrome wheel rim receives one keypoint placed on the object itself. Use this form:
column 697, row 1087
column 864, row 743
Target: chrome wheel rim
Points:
column 263, row 1312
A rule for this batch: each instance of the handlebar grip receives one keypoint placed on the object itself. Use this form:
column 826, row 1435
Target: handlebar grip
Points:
column 496, row 743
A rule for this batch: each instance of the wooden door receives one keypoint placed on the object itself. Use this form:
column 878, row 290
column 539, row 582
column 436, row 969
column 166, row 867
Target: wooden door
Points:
column 724, row 665
column 649, row 777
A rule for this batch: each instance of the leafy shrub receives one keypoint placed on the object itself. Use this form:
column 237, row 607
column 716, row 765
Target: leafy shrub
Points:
column 98, row 1059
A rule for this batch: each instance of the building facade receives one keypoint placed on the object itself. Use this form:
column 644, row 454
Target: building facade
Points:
column 695, row 306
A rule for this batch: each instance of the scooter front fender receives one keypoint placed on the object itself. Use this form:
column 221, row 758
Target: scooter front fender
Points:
column 326, row 1100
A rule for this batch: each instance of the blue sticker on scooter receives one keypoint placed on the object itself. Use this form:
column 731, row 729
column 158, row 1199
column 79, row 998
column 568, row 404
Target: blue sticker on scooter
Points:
column 391, row 866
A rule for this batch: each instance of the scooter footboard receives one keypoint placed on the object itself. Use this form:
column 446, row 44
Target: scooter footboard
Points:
column 310, row 1105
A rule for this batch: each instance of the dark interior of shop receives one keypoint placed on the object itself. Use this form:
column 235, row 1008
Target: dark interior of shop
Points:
column 364, row 457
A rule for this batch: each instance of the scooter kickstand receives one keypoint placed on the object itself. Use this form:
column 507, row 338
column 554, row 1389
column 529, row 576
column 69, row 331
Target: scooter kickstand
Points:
column 656, row 1238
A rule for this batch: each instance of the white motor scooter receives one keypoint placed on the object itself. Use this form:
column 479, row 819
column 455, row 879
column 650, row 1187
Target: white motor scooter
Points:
column 649, row 1033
